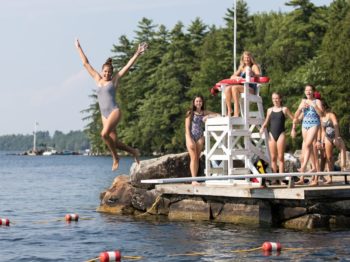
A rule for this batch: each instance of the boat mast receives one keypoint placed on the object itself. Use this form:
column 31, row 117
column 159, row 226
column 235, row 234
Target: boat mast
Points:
column 34, row 137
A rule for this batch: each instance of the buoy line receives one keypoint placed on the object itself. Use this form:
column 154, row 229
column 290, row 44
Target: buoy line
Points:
column 68, row 218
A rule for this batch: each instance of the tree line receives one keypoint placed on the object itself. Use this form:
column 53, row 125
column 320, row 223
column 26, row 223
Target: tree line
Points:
column 308, row 45
column 72, row 141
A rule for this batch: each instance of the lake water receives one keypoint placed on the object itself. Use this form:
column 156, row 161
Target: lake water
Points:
column 37, row 192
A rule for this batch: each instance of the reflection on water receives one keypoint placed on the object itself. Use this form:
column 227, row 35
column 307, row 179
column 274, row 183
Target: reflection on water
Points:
column 37, row 192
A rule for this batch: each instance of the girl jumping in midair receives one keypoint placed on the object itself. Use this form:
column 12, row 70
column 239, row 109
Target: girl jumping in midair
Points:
column 107, row 84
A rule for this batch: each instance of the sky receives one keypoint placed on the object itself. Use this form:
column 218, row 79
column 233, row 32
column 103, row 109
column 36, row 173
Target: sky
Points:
column 42, row 79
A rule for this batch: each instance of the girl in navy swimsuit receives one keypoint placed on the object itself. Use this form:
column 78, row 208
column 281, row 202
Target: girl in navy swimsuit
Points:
column 107, row 84
column 194, row 126
column 275, row 119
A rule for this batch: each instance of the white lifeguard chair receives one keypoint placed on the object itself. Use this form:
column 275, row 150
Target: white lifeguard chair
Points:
column 233, row 144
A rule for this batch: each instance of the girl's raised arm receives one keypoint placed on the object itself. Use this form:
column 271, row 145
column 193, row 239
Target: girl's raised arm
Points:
column 141, row 49
column 95, row 75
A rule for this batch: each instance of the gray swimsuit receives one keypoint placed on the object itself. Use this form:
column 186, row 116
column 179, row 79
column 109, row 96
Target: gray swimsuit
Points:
column 106, row 99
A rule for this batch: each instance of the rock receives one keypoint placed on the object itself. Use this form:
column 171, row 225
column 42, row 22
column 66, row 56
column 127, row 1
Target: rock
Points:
column 310, row 221
column 189, row 209
column 117, row 199
column 339, row 222
column 160, row 206
column 168, row 166
column 334, row 208
column 291, row 163
column 143, row 199
column 215, row 209
column 291, row 212
column 347, row 163
column 245, row 213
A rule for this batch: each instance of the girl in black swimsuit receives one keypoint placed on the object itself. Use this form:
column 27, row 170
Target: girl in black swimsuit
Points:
column 275, row 118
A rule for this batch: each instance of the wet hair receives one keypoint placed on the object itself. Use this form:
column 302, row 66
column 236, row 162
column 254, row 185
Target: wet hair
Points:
column 252, row 60
column 108, row 63
column 190, row 112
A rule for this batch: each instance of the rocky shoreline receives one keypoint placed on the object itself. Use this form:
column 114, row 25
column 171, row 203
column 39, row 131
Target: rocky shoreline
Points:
column 127, row 196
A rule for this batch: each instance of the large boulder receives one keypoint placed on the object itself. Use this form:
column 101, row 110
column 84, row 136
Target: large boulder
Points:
column 117, row 199
column 168, row 166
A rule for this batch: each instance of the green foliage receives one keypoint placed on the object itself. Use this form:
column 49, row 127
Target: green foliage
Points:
column 307, row 45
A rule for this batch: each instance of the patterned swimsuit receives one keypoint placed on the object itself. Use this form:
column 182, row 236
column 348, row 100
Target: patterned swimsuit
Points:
column 311, row 118
column 197, row 127
column 329, row 128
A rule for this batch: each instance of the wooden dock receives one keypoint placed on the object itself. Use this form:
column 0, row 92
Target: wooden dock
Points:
column 337, row 190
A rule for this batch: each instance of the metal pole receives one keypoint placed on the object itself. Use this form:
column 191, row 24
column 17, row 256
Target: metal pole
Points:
column 234, row 36
column 34, row 139
column 267, row 175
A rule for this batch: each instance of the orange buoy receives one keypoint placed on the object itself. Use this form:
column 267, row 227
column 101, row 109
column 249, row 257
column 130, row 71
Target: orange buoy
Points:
column 110, row 256
column 72, row 217
column 272, row 246
column 4, row 222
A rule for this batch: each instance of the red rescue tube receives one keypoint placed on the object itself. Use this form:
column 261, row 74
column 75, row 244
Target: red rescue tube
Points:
column 4, row 222
column 240, row 80
column 110, row 256
column 72, row 217
column 272, row 246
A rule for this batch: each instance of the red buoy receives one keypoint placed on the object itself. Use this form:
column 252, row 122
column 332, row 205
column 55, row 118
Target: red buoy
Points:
column 4, row 222
column 271, row 246
column 72, row 217
column 110, row 256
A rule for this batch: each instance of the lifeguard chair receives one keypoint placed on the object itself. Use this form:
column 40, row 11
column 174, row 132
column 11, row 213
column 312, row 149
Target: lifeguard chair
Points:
column 233, row 145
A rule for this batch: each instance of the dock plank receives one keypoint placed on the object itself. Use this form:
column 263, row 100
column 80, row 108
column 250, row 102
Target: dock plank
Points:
column 278, row 192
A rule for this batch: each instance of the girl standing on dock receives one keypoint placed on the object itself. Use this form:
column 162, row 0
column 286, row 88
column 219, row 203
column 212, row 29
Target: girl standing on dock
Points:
column 107, row 84
column 194, row 126
column 275, row 118
column 331, row 138
column 312, row 110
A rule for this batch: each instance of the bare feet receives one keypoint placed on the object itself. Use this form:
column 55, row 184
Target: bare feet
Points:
column 137, row 156
column 301, row 179
column 327, row 182
column 115, row 164
column 300, row 182
column 313, row 183
column 195, row 183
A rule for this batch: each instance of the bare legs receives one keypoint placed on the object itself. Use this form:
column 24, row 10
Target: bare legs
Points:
column 277, row 152
column 308, row 139
column 194, row 150
column 234, row 93
column 109, row 136
column 329, row 146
